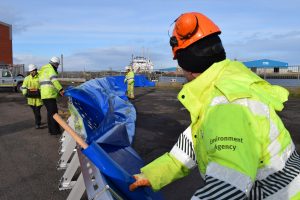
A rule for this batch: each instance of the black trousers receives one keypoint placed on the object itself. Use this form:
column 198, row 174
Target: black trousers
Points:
column 37, row 114
column 51, row 106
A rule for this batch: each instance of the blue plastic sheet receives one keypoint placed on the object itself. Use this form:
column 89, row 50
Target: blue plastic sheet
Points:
column 103, row 105
column 139, row 81
column 109, row 121
column 142, row 81
column 117, row 175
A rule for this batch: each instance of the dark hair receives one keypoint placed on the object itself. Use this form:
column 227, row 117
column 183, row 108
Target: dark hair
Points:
column 200, row 55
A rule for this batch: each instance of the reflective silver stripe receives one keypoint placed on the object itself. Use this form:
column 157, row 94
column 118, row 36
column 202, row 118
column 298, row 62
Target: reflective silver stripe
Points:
column 217, row 189
column 279, row 179
column 23, row 88
column 274, row 132
column 238, row 180
column 183, row 150
column 287, row 192
column 258, row 108
column 277, row 163
column 219, row 100
column 45, row 83
column 54, row 77
column 283, row 184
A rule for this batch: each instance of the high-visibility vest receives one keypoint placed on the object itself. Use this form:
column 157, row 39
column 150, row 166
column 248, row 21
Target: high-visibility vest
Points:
column 49, row 84
column 129, row 78
column 30, row 83
column 239, row 143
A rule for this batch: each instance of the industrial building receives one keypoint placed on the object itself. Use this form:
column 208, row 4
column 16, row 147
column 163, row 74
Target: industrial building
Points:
column 6, row 44
column 267, row 66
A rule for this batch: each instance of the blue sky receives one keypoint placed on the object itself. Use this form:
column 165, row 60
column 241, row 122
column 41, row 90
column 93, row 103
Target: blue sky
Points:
column 103, row 34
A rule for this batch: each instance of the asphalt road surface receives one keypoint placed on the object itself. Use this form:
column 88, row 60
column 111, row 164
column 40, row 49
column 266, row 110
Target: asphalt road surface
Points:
column 28, row 157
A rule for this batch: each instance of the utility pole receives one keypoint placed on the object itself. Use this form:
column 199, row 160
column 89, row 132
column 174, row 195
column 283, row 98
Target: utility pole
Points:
column 62, row 65
column 84, row 76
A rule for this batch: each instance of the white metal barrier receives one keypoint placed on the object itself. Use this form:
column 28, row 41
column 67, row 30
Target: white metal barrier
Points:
column 80, row 173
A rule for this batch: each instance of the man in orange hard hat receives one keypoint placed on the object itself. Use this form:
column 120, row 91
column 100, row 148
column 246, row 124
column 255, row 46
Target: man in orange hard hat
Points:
column 238, row 142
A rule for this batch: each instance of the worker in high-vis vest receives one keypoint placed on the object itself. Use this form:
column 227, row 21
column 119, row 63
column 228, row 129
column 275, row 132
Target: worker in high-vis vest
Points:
column 129, row 79
column 237, row 140
column 31, row 90
column 50, row 90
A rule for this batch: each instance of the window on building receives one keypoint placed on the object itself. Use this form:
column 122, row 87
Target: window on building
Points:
column 276, row 69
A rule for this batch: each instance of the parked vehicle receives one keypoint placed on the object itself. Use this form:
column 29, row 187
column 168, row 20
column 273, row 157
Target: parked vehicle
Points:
column 11, row 77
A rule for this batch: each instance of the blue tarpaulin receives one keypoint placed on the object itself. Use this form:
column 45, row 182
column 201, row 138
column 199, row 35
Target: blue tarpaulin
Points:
column 139, row 81
column 109, row 121
column 142, row 81
column 119, row 177
column 103, row 107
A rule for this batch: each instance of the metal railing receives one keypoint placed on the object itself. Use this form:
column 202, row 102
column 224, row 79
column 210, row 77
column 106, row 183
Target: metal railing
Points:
column 291, row 72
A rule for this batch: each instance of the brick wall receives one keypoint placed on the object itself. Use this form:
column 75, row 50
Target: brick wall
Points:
column 5, row 44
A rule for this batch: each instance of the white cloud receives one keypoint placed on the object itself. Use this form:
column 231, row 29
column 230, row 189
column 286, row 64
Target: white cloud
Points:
column 27, row 59
column 103, row 34
column 282, row 46
column 115, row 58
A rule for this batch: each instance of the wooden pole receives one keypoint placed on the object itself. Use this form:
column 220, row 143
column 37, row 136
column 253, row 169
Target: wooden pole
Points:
column 67, row 128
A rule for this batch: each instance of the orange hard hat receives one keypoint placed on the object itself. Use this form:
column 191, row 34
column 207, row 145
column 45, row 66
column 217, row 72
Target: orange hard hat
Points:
column 189, row 28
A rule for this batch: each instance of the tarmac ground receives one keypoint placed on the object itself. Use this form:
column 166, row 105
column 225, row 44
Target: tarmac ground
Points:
column 28, row 157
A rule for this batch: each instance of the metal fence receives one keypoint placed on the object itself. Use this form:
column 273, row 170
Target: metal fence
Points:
column 89, row 75
column 291, row 72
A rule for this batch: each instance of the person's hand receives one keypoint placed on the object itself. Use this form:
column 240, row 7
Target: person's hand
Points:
column 62, row 92
column 140, row 181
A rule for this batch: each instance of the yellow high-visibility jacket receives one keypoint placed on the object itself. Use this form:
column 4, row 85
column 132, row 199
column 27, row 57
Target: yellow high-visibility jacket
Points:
column 31, row 83
column 236, row 139
column 49, row 84
column 129, row 78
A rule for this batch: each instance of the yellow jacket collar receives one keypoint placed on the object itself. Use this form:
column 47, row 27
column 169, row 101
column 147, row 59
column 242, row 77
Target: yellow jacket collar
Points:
column 194, row 93
column 233, row 80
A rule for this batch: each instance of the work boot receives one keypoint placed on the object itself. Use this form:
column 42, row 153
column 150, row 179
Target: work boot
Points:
column 37, row 126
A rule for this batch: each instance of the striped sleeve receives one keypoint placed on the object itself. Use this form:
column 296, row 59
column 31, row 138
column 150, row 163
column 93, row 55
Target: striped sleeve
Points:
column 218, row 189
column 282, row 184
column 174, row 165
column 183, row 150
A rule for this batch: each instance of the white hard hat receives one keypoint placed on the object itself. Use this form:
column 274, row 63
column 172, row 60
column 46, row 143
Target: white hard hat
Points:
column 55, row 60
column 31, row 67
column 127, row 67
